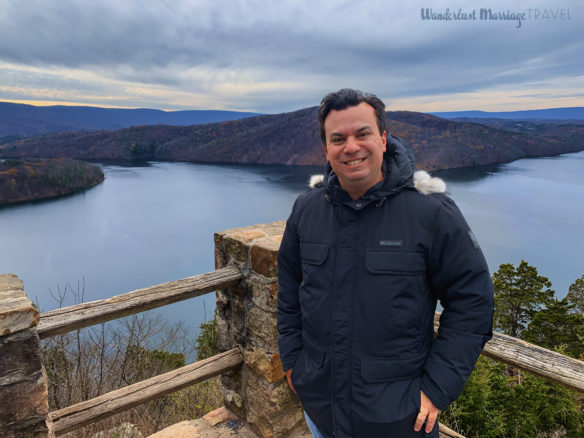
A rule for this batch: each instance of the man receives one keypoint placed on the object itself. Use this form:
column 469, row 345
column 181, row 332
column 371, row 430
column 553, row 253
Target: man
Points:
column 364, row 258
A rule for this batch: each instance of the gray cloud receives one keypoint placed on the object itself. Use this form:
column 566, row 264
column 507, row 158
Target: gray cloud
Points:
column 273, row 56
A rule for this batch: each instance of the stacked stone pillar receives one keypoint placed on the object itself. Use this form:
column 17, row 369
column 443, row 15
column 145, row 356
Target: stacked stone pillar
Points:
column 23, row 381
column 246, row 318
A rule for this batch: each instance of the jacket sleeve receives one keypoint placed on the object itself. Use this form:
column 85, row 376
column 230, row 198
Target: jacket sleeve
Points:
column 460, row 279
column 289, row 278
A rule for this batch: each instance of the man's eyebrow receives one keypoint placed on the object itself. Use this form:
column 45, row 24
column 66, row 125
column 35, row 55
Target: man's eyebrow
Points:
column 364, row 128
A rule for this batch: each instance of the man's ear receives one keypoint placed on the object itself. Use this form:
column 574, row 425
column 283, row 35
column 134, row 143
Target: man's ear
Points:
column 325, row 151
column 384, row 140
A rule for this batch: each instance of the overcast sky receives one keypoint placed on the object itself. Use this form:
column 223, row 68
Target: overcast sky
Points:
column 282, row 55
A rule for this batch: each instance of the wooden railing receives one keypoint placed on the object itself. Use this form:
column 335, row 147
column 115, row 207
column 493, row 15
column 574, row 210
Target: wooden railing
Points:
column 82, row 315
column 87, row 412
column 537, row 360
column 247, row 314
column 522, row 355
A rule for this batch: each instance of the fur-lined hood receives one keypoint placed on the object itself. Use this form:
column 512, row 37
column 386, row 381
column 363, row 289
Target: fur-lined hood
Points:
column 401, row 165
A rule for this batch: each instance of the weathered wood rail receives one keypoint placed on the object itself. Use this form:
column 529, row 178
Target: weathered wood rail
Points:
column 537, row 360
column 78, row 415
column 83, row 315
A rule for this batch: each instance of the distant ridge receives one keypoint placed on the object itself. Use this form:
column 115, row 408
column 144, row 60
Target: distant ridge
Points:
column 293, row 138
column 22, row 120
column 571, row 113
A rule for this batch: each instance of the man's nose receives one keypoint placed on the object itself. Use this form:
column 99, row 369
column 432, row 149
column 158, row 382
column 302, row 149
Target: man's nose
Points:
column 352, row 145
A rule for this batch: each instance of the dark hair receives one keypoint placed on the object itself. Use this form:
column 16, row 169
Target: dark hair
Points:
column 345, row 98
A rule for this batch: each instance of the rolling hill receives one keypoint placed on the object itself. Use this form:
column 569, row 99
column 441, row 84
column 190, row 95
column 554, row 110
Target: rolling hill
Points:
column 292, row 138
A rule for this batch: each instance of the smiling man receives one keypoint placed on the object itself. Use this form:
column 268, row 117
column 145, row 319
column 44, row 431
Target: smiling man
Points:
column 366, row 255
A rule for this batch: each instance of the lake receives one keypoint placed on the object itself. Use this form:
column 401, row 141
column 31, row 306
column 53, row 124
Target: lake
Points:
column 154, row 222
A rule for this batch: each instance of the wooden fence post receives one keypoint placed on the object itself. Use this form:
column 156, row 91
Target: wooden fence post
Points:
column 23, row 381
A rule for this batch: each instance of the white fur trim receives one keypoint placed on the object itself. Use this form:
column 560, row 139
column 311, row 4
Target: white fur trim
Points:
column 426, row 184
column 423, row 182
column 315, row 180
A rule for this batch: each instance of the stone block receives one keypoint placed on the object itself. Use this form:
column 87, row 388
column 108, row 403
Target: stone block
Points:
column 238, row 290
column 220, row 261
column 237, row 323
column 247, row 235
column 222, row 298
column 224, row 339
column 264, row 292
column 20, row 352
column 260, row 425
column 234, row 402
column 268, row 366
column 23, row 399
column 264, row 256
column 272, row 409
column 10, row 282
column 281, row 426
column 235, row 249
column 261, row 329
column 17, row 312
column 289, row 420
column 218, row 238
column 32, row 427
column 268, row 398
column 236, row 244
column 219, row 415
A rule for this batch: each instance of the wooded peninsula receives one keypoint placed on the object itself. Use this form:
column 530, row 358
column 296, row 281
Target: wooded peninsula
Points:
column 38, row 178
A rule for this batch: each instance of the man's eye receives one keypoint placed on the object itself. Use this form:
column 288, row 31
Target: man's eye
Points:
column 336, row 140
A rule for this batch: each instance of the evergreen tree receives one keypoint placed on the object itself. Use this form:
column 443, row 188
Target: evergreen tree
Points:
column 519, row 294
column 576, row 295
column 558, row 326
column 207, row 339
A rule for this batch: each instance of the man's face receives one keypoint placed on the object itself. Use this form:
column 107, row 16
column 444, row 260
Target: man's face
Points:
column 355, row 148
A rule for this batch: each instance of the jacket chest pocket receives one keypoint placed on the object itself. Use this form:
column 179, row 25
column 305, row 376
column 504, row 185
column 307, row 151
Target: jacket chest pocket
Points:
column 397, row 284
column 400, row 263
column 313, row 253
column 313, row 257
column 316, row 276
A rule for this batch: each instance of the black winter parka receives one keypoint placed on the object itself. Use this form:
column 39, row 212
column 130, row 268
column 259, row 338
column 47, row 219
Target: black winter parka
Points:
column 358, row 285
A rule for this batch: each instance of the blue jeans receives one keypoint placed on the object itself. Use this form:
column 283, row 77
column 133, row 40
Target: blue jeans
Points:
column 315, row 432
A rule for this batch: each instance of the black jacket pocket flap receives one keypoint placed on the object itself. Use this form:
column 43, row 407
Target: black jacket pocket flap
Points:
column 395, row 262
column 391, row 370
column 313, row 253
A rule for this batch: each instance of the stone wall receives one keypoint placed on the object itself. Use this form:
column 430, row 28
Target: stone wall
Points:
column 246, row 317
column 23, row 381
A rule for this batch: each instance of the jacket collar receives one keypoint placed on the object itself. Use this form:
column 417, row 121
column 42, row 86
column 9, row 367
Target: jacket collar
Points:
column 398, row 171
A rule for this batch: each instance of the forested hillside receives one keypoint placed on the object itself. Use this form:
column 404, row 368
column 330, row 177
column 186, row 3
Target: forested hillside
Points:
column 293, row 138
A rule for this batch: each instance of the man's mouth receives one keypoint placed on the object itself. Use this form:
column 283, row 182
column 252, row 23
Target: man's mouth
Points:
column 353, row 162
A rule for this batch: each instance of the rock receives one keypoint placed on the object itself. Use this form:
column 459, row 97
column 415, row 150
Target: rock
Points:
column 124, row 430
column 268, row 366
column 17, row 312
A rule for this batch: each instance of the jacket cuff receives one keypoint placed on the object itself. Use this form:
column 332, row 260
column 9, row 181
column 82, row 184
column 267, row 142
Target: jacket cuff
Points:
column 433, row 392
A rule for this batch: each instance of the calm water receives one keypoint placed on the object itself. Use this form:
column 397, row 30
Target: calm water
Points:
column 154, row 223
